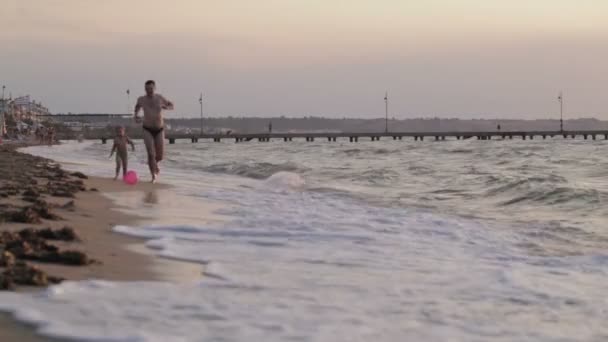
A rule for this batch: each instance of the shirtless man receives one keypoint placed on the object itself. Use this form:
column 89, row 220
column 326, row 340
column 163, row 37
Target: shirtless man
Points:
column 153, row 124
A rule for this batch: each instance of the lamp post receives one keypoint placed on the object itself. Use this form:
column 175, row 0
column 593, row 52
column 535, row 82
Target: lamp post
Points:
column 560, row 98
column 386, row 112
column 3, row 87
column 128, row 101
column 200, row 100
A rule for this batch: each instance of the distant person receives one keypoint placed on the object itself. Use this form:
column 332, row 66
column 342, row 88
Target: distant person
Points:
column 41, row 135
column 153, row 125
column 498, row 128
column 37, row 134
column 270, row 127
column 50, row 132
column 120, row 147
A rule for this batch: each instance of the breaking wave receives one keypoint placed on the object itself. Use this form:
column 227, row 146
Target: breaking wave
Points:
column 253, row 170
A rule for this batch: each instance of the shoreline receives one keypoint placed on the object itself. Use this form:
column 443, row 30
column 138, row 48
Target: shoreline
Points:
column 92, row 214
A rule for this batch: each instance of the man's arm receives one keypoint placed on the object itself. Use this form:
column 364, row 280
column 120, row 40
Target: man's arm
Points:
column 137, row 109
column 166, row 104
column 131, row 143
column 113, row 149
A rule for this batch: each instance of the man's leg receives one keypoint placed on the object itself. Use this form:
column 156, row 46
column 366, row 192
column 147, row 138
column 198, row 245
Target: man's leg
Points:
column 151, row 149
column 159, row 143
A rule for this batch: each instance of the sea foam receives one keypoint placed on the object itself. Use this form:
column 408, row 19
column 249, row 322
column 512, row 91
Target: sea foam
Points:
column 301, row 265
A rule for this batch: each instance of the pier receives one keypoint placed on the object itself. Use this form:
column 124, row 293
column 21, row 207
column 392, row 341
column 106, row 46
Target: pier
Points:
column 377, row 136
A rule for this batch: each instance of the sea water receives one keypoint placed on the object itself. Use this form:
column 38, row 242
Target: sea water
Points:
column 382, row 241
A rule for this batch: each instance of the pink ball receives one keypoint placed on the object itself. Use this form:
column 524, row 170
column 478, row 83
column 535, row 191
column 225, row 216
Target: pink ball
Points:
column 131, row 178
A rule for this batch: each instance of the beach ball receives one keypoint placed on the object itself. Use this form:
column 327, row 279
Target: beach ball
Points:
column 131, row 178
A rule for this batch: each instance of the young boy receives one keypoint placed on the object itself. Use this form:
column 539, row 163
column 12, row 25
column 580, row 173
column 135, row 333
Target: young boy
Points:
column 120, row 147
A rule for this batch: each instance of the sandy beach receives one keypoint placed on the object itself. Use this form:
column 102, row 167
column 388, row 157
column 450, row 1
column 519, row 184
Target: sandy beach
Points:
column 92, row 215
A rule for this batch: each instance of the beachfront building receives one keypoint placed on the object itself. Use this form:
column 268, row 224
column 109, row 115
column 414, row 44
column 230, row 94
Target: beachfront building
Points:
column 18, row 115
column 79, row 122
column 24, row 108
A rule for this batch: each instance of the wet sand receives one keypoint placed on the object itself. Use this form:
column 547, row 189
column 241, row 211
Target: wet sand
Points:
column 92, row 216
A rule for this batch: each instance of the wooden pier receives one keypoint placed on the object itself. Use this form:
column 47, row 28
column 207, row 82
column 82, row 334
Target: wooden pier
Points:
column 416, row 136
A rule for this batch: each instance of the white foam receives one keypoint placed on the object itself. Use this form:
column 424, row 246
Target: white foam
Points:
column 319, row 266
column 283, row 180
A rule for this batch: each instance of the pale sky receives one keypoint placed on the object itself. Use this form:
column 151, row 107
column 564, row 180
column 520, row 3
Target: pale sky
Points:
column 445, row 58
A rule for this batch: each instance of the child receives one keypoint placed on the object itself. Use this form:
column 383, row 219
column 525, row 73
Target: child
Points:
column 120, row 147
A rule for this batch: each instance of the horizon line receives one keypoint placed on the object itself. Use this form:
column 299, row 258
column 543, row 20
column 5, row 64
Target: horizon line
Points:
column 282, row 117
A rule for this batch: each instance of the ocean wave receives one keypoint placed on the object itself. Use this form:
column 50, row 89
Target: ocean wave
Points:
column 547, row 189
column 380, row 177
column 376, row 151
column 383, row 151
column 461, row 150
column 559, row 196
column 352, row 151
column 284, row 181
column 326, row 265
column 500, row 183
column 420, row 170
column 254, row 170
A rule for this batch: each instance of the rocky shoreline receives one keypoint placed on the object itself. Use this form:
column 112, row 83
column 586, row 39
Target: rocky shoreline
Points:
column 73, row 217
column 32, row 191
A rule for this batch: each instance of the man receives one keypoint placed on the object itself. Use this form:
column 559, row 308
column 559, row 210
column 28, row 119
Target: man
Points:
column 153, row 124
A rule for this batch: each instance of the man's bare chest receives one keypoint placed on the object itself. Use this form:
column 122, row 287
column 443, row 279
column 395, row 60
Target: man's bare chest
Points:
column 151, row 104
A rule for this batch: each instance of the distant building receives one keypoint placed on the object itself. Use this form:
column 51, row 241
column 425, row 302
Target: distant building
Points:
column 22, row 108
column 26, row 108
column 79, row 122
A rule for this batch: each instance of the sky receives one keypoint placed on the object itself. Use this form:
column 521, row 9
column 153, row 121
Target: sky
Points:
column 334, row 58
